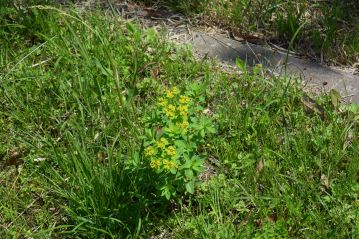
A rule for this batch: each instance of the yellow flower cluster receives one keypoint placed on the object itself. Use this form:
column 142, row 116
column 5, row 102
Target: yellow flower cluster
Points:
column 183, row 110
column 155, row 163
column 169, row 164
column 150, row 151
column 171, row 151
column 172, row 92
column 184, row 99
column 170, row 111
column 184, row 125
column 170, row 107
column 162, row 102
column 162, row 143
column 166, row 159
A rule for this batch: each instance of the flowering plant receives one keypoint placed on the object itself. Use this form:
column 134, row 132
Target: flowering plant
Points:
column 174, row 131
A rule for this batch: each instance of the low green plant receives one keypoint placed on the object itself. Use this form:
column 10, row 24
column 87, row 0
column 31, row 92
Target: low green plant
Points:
column 174, row 132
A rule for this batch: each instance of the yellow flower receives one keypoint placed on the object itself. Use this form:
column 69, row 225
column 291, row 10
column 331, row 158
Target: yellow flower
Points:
column 171, row 151
column 149, row 151
column 184, row 99
column 183, row 110
column 169, row 164
column 175, row 90
column 183, row 125
column 171, row 107
column 172, row 92
column 170, row 111
column 155, row 163
column 162, row 143
column 162, row 102
column 169, row 94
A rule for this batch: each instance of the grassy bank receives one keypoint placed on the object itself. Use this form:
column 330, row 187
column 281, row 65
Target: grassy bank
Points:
column 324, row 30
column 109, row 131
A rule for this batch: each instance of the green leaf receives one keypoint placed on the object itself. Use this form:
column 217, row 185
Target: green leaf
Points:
column 190, row 187
column 166, row 192
column 187, row 164
column 353, row 108
column 202, row 133
column 189, row 174
column 173, row 170
column 241, row 64
column 197, row 164
column 151, row 35
column 211, row 130
column 131, row 27
column 181, row 146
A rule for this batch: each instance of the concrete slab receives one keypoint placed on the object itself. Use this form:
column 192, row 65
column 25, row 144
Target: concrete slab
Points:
column 228, row 50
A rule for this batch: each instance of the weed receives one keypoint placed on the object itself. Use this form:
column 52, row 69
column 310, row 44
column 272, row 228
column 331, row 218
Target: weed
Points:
column 174, row 131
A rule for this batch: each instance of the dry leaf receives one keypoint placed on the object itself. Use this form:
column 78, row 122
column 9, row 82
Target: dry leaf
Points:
column 159, row 131
column 14, row 158
column 39, row 159
column 208, row 112
column 259, row 222
column 155, row 72
column 102, row 157
column 335, row 97
column 272, row 218
column 325, row 181
column 260, row 166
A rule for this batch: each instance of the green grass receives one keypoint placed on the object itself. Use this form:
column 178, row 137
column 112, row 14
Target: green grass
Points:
column 327, row 30
column 75, row 90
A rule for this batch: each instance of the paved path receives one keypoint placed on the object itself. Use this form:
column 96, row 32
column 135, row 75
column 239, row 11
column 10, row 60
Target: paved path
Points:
column 228, row 50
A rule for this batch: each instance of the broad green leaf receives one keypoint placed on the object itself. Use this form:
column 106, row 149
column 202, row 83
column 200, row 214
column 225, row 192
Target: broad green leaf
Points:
column 197, row 163
column 166, row 192
column 190, row 187
column 189, row 174
column 335, row 97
